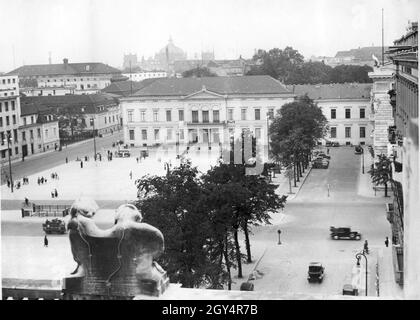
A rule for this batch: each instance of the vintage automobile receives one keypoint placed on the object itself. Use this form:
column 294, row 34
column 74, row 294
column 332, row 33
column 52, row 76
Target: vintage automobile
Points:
column 320, row 163
column 323, row 155
column 344, row 233
column 332, row 144
column 315, row 272
column 54, row 226
column 123, row 153
column 350, row 290
column 358, row 150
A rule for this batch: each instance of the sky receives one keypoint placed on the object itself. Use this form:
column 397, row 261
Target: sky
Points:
column 105, row 30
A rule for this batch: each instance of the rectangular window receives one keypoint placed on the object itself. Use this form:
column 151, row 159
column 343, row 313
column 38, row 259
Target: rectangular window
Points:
column 362, row 113
column 16, row 150
column 38, row 131
column 194, row 116
column 155, row 115
column 131, row 134
column 46, row 133
column 55, row 132
column 181, row 134
column 23, row 135
column 333, row 132
column 348, row 132
column 7, row 121
column 31, row 134
column 130, row 115
column 24, row 121
column 168, row 115
column 348, row 113
column 270, row 113
column 105, row 119
column 14, row 119
column 32, row 119
column 13, row 105
column 243, row 114
column 1, row 121
column 156, row 134
column 230, row 114
column 1, row 106
column 6, row 106
column 181, row 115
column 258, row 133
column 143, row 115
column 216, row 118
column 333, row 113
column 257, row 114
column 144, row 134
column 205, row 116
column 168, row 134
column 15, row 134
column 362, row 132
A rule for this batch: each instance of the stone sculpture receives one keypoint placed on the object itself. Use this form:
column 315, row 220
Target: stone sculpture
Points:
column 114, row 263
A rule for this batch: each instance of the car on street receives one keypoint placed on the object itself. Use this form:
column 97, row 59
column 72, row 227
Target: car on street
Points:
column 123, row 153
column 350, row 290
column 315, row 272
column 358, row 150
column 323, row 155
column 54, row 226
column 344, row 233
column 320, row 163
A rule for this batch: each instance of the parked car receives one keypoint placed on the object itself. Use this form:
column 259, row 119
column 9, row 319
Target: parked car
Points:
column 358, row 150
column 344, row 233
column 323, row 155
column 332, row 144
column 315, row 272
column 54, row 226
column 350, row 290
column 123, row 153
column 320, row 163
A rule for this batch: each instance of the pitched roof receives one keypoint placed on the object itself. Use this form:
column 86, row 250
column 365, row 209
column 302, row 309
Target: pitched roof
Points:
column 87, row 68
column 221, row 85
column 333, row 91
column 88, row 101
column 123, row 88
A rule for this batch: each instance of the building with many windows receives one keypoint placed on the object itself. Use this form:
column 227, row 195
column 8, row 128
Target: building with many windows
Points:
column 404, row 139
column 142, row 75
column 346, row 107
column 9, row 117
column 83, row 78
column 205, row 111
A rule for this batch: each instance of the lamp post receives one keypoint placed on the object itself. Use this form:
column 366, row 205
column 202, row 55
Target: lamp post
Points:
column 358, row 256
column 9, row 149
column 279, row 232
column 92, row 122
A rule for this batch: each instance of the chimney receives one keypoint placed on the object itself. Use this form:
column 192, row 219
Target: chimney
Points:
column 66, row 62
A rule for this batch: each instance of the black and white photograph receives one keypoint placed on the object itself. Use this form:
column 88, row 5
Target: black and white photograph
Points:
column 199, row 150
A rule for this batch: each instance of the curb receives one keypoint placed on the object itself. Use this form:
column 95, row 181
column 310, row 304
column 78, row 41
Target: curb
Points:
column 292, row 197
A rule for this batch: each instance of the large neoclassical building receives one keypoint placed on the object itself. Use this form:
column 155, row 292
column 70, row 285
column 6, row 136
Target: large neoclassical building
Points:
column 201, row 110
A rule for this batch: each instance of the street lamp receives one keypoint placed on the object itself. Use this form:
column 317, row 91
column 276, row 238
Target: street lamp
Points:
column 279, row 232
column 9, row 150
column 92, row 122
column 358, row 256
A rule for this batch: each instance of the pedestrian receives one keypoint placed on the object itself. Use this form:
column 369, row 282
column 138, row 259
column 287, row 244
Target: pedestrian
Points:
column 131, row 175
column 365, row 247
column 52, row 194
column 42, row 180
column 67, row 160
column 328, row 150
column 39, row 181
column 386, row 242
column 8, row 183
column 81, row 164
column 45, row 241
column 26, row 201
column 137, row 159
column 55, row 193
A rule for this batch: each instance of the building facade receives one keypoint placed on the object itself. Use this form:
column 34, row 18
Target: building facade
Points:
column 9, row 117
column 39, row 130
column 404, row 140
column 83, row 78
column 142, row 75
column 203, row 111
column 347, row 109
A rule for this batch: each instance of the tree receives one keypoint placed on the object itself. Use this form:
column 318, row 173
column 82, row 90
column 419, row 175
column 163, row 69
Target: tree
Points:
column 198, row 72
column 381, row 173
column 174, row 204
column 295, row 131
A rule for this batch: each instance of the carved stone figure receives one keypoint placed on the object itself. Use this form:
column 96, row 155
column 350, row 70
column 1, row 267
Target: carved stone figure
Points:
column 114, row 263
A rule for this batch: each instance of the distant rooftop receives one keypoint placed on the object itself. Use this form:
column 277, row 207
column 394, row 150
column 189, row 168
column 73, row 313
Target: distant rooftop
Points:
column 65, row 68
column 221, row 85
column 333, row 91
column 124, row 88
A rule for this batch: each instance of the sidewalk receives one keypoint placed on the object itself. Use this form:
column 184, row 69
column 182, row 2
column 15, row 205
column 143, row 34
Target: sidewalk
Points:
column 388, row 288
column 284, row 187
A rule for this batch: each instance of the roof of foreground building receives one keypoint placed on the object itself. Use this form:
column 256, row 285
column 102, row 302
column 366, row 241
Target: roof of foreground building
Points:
column 221, row 85
column 333, row 91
